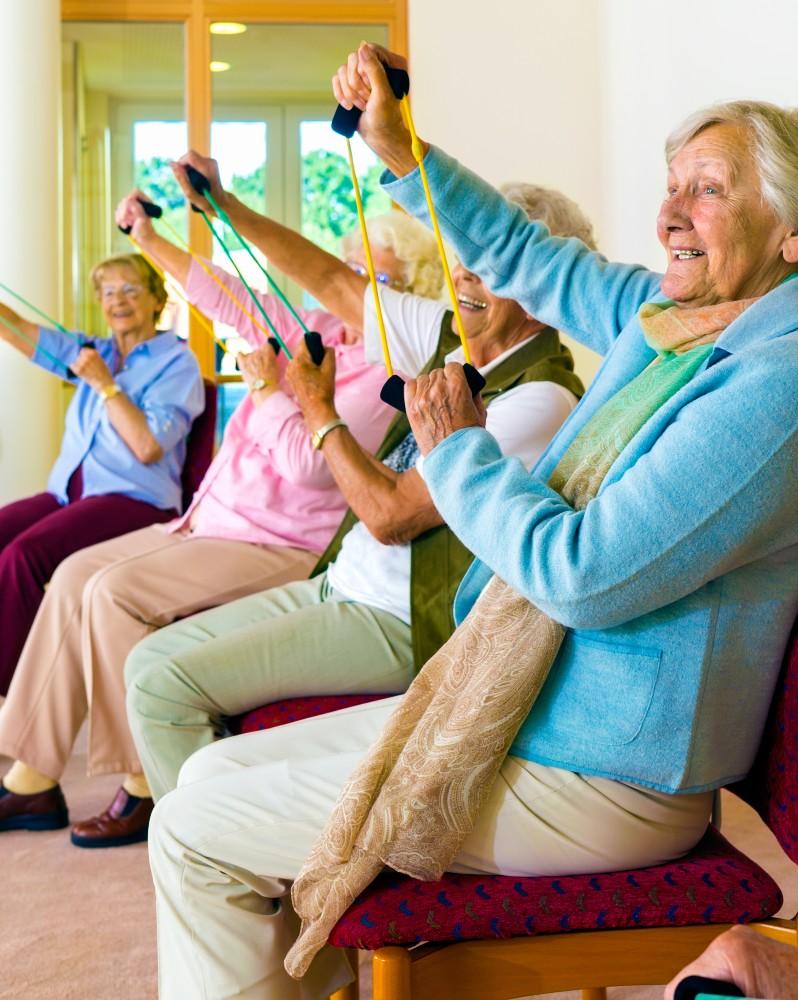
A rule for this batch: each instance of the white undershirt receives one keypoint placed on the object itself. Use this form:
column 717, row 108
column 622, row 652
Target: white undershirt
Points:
column 369, row 572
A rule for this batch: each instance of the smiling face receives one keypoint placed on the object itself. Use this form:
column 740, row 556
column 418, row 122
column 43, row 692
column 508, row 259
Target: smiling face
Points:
column 485, row 314
column 129, row 307
column 722, row 239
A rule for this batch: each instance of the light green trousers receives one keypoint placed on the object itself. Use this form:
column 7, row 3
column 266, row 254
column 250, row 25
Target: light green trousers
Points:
column 301, row 639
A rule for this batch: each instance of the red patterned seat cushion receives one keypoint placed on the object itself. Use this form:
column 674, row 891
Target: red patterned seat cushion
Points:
column 278, row 713
column 714, row 884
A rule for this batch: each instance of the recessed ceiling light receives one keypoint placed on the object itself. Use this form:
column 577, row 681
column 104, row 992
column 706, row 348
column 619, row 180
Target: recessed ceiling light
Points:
column 219, row 67
column 227, row 28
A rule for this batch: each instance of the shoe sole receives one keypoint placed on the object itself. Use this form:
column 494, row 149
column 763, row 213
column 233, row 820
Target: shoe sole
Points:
column 89, row 842
column 31, row 822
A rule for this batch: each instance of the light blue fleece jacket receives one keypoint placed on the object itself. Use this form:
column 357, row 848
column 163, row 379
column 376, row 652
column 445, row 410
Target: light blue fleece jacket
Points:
column 678, row 583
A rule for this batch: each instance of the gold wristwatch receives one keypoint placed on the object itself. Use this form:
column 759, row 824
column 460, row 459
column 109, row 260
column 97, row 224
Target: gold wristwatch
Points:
column 109, row 391
column 259, row 383
column 317, row 437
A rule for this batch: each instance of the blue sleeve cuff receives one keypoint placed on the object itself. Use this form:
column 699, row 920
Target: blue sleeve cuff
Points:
column 55, row 344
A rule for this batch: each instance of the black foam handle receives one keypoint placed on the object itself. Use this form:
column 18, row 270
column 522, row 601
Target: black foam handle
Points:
column 345, row 120
column 691, row 986
column 274, row 343
column 393, row 391
column 198, row 181
column 315, row 347
column 150, row 208
column 476, row 382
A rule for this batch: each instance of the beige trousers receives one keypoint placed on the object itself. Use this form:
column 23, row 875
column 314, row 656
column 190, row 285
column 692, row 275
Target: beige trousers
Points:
column 225, row 845
column 100, row 602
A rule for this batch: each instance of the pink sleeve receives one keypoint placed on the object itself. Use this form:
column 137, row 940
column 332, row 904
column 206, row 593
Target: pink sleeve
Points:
column 207, row 296
column 285, row 439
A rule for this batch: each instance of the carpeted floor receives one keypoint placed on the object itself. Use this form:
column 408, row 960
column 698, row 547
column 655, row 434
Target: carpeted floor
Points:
column 79, row 925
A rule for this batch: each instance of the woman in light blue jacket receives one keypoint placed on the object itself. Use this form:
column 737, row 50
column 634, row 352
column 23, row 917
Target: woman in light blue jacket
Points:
column 658, row 528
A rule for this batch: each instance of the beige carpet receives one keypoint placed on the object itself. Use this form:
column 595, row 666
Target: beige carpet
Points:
column 79, row 925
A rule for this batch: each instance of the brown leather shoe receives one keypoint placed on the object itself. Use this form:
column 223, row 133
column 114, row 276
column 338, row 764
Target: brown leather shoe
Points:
column 41, row 811
column 125, row 821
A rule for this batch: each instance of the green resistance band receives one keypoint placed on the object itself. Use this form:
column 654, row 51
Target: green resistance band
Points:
column 50, row 320
column 245, row 283
column 36, row 347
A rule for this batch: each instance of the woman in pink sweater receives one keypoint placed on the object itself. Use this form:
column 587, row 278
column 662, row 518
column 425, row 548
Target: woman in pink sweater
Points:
column 266, row 508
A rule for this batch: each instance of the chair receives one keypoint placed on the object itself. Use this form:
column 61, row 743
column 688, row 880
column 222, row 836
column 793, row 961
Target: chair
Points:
column 199, row 445
column 496, row 937
column 279, row 713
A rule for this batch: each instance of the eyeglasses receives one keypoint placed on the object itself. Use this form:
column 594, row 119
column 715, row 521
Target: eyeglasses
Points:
column 382, row 276
column 127, row 291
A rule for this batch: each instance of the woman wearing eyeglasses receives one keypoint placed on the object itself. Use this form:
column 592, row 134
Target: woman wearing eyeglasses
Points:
column 136, row 395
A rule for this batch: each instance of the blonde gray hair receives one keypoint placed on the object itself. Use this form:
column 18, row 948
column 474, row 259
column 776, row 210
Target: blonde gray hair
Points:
column 149, row 277
column 561, row 215
column 773, row 137
column 412, row 243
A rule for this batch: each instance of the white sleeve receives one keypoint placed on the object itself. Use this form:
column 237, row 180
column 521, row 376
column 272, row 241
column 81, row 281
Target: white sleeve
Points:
column 526, row 418
column 413, row 326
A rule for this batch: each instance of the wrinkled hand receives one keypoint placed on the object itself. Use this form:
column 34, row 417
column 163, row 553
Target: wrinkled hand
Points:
column 208, row 167
column 129, row 212
column 90, row 367
column 440, row 403
column 313, row 386
column 260, row 363
column 362, row 83
column 759, row 966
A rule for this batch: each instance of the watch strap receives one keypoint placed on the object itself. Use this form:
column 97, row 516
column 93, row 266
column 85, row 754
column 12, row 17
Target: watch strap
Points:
column 317, row 437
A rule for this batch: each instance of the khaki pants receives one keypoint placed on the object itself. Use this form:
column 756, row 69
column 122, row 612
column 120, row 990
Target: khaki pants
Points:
column 99, row 604
column 226, row 844
column 300, row 639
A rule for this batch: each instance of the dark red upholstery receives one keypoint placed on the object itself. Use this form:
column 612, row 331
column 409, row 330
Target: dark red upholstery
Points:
column 715, row 884
column 278, row 713
column 772, row 786
column 199, row 445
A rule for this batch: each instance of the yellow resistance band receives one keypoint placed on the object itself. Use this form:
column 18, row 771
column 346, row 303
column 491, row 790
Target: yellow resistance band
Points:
column 361, row 215
column 209, row 271
column 202, row 320
column 418, row 153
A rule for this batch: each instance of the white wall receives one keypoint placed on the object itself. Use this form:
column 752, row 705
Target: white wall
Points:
column 580, row 94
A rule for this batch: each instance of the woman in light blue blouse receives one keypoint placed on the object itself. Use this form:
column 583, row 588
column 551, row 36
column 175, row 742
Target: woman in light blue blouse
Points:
column 137, row 393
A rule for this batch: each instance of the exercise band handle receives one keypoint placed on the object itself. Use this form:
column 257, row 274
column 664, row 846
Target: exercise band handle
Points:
column 199, row 182
column 274, row 343
column 345, row 120
column 393, row 391
column 692, row 987
column 315, row 347
column 150, row 208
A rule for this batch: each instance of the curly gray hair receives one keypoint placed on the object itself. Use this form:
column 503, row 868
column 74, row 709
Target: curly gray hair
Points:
column 412, row 243
column 773, row 135
column 562, row 216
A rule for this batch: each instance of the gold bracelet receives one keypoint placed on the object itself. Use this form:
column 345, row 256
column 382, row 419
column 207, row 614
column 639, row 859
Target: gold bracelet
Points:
column 109, row 391
column 317, row 437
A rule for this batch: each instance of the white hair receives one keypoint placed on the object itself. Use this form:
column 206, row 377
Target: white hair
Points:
column 413, row 244
column 561, row 215
column 773, row 138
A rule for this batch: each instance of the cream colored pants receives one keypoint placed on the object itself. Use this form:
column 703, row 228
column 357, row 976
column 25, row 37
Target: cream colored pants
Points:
column 225, row 845
column 99, row 604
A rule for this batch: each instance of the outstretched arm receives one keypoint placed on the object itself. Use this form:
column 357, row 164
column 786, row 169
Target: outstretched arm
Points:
column 168, row 256
column 337, row 287
column 30, row 330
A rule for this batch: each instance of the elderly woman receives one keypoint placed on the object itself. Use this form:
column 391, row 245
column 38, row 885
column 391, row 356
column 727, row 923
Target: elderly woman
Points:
column 265, row 510
column 657, row 534
column 136, row 396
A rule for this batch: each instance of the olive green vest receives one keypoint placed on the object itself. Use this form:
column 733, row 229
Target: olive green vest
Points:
column 438, row 559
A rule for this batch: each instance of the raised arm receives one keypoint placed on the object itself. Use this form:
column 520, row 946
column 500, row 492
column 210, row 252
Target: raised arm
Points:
column 168, row 256
column 8, row 335
column 328, row 279
column 560, row 281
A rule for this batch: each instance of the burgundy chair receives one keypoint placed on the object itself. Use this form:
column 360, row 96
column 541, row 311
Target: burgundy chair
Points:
column 199, row 445
column 497, row 937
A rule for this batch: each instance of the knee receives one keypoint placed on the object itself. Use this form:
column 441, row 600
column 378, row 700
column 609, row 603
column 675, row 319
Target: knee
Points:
column 147, row 677
column 71, row 574
column 204, row 763
column 144, row 660
column 170, row 829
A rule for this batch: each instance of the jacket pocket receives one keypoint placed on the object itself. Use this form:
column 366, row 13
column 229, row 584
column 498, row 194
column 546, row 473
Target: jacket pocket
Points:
column 599, row 690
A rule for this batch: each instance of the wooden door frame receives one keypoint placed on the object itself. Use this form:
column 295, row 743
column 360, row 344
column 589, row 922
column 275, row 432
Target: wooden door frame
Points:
column 196, row 17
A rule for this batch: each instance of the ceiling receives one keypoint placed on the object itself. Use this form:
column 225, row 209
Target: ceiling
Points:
column 145, row 61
